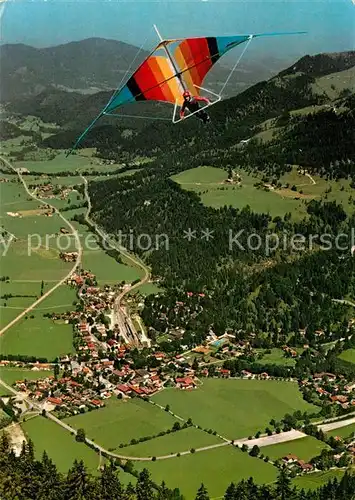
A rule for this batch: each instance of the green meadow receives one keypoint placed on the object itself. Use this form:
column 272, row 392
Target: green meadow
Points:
column 63, row 449
column 172, row 443
column 105, row 267
column 342, row 432
column 276, row 357
column 60, row 300
column 348, row 355
column 209, row 183
column 316, row 479
column 120, row 421
column 25, row 263
column 61, row 163
column 148, row 289
column 216, row 468
column 37, row 336
column 59, row 444
column 304, row 448
column 334, row 83
column 10, row 375
column 222, row 405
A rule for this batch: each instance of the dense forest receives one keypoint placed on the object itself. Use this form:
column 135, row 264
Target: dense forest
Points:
column 246, row 285
column 25, row 478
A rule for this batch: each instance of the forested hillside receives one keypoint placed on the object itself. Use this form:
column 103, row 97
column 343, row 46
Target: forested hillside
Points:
column 247, row 288
column 308, row 127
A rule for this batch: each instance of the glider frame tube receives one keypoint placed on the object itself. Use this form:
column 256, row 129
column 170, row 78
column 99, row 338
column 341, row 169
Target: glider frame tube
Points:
column 201, row 109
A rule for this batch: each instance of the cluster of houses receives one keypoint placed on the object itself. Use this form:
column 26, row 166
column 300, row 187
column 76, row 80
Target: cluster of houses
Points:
column 65, row 394
column 94, row 331
column 289, row 351
column 297, row 465
column 37, row 366
column 331, row 388
column 48, row 191
column 68, row 256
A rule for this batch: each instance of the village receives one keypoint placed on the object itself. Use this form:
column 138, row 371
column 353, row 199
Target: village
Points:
column 110, row 362
column 105, row 361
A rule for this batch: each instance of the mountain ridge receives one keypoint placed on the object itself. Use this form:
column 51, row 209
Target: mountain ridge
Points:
column 97, row 63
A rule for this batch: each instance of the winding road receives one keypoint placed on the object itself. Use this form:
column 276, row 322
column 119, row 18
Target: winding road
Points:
column 119, row 315
column 38, row 407
column 78, row 246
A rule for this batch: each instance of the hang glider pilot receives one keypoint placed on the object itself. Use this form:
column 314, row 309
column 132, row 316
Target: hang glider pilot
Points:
column 192, row 104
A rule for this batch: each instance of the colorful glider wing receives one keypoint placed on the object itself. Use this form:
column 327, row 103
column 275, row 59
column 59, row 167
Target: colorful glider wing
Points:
column 173, row 66
column 196, row 56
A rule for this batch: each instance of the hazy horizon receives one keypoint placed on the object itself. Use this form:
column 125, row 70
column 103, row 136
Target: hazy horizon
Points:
column 330, row 25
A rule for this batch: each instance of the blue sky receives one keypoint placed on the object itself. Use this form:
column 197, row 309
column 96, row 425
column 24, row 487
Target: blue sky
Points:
column 330, row 24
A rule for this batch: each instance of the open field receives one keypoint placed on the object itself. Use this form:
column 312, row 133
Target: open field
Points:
column 121, row 421
column 340, row 190
column 208, row 183
column 334, row 83
column 12, row 375
column 216, row 468
column 276, row 357
column 96, row 260
column 39, row 337
column 348, row 355
column 42, row 337
column 12, row 191
column 175, row 442
column 70, row 180
column 148, row 289
column 342, row 432
column 60, row 163
column 59, row 444
column 34, row 225
column 223, row 405
column 34, row 123
column 14, row 145
column 62, row 448
column 316, row 479
column 304, row 448
column 11, row 307
column 23, row 261
column 107, row 269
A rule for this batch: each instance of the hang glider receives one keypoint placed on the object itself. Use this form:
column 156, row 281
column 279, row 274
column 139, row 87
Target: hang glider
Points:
column 174, row 66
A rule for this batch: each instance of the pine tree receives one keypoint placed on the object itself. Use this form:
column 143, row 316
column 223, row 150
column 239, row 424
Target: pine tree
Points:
column 265, row 493
column 230, row 493
column 283, row 485
column 30, row 469
column 130, row 492
column 202, row 493
column 144, row 487
column 78, row 484
column 51, row 487
column 109, row 484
